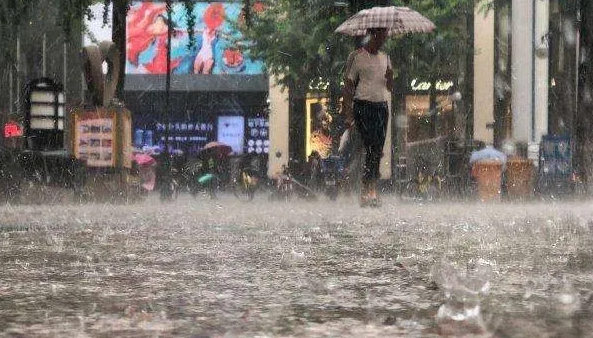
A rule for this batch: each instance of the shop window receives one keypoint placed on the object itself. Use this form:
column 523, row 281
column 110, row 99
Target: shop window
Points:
column 424, row 124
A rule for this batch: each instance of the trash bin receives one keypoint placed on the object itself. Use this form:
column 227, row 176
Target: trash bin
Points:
column 519, row 178
column 488, row 178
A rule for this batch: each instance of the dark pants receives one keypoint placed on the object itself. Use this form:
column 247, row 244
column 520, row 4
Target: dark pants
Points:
column 371, row 121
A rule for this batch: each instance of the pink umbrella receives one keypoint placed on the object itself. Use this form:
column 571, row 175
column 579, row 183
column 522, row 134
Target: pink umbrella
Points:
column 144, row 159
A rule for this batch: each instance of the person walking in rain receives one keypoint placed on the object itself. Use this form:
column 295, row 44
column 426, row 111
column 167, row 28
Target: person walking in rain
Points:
column 367, row 91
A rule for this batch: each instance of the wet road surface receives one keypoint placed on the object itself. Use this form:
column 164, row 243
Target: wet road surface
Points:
column 226, row 268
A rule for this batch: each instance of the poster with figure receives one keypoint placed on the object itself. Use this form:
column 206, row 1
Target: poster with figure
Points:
column 319, row 137
column 219, row 47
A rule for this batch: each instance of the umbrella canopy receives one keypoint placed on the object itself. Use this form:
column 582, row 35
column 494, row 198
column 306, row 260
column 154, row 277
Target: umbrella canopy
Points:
column 217, row 148
column 144, row 159
column 205, row 178
column 488, row 153
column 399, row 20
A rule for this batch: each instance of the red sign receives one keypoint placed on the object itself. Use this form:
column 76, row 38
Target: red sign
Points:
column 12, row 129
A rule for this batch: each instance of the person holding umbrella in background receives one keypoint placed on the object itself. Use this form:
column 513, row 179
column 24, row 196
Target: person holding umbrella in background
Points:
column 369, row 80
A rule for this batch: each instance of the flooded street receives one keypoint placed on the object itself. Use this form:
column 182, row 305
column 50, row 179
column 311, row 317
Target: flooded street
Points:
column 224, row 268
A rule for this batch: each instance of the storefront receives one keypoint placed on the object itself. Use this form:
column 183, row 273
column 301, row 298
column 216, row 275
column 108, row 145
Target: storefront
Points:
column 423, row 120
column 218, row 93
column 426, row 124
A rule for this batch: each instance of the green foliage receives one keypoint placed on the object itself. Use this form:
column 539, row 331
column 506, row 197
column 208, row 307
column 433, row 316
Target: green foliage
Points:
column 72, row 12
column 435, row 55
column 12, row 13
column 295, row 39
column 191, row 22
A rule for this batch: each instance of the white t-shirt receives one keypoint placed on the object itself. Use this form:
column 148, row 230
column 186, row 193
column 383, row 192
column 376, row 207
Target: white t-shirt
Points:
column 369, row 69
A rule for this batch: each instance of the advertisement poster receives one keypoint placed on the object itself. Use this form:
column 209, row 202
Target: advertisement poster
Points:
column 219, row 48
column 318, row 127
column 94, row 141
column 231, row 131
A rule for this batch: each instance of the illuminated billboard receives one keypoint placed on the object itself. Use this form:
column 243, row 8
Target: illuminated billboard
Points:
column 218, row 49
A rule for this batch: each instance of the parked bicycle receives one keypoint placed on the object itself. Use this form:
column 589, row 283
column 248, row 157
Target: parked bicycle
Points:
column 245, row 183
column 425, row 185
column 286, row 187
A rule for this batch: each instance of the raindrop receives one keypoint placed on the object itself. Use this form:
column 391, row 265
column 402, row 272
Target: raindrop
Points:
column 297, row 255
column 568, row 301
column 460, row 313
column 406, row 262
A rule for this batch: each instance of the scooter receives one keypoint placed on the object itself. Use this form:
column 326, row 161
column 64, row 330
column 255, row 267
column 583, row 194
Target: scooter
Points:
column 332, row 169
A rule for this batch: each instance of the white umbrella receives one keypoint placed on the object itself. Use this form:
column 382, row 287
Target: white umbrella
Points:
column 399, row 20
column 488, row 153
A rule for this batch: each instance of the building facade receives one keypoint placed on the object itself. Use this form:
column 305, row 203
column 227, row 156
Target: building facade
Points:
column 217, row 92
column 526, row 71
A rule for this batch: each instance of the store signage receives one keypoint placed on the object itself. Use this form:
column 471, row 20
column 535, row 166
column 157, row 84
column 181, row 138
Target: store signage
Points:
column 417, row 85
column 188, row 136
column 12, row 129
column 244, row 134
column 258, row 136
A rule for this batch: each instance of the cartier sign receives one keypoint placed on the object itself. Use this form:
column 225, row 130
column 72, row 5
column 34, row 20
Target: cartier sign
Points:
column 417, row 85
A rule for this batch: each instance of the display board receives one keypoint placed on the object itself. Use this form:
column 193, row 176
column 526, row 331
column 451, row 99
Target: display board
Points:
column 244, row 134
column 95, row 141
column 231, row 131
column 102, row 137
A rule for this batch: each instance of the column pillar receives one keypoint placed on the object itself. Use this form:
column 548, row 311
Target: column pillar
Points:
column 483, row 75
column 530, row 73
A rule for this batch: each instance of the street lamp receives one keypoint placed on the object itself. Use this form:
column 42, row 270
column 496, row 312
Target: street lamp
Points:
column 166, row 191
